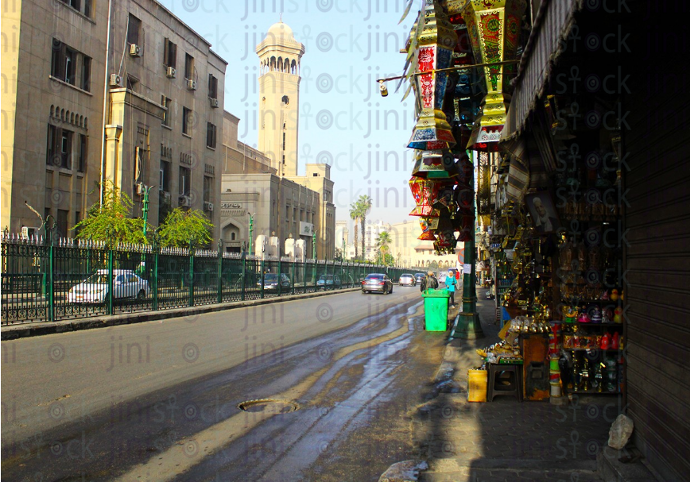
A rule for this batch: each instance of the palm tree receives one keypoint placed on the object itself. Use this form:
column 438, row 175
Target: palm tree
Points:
column 382, row 241
column 354, row 215
column 364, row 203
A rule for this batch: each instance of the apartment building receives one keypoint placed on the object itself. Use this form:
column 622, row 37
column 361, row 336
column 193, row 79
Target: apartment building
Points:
column 131, row 94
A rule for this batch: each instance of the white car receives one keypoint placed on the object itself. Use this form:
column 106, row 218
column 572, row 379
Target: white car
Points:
column 94, row 289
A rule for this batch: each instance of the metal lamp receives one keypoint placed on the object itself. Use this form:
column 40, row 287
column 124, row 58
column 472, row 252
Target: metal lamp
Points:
column 494, row 28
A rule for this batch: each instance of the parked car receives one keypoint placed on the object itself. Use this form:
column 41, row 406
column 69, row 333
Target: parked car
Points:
column 328, row 281
column 271, row 281
column 407, row 279
column 94, row 289
column 418, row 277
column 377, row 282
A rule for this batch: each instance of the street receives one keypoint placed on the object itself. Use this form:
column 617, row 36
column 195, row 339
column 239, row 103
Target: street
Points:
column 159, row 400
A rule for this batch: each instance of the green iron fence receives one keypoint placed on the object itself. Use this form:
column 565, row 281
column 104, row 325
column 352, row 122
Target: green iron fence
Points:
column 44, row 281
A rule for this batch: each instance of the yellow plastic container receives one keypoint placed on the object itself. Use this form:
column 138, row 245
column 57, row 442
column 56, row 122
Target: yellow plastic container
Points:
column 476, row 382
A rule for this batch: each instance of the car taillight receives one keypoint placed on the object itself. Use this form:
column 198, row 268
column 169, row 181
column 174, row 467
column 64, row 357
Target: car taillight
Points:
column 382, row 283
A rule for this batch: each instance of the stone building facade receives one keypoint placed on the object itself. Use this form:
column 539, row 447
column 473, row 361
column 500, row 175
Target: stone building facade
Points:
column 158, row 125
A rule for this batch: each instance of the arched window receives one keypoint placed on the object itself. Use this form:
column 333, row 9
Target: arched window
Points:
column 232, row 236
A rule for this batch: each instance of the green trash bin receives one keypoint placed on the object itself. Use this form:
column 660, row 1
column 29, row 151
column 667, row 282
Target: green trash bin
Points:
column 435, row 309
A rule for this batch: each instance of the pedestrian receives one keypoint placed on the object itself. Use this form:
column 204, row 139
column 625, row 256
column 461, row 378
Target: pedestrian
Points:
column 429, row 282
column 450, row 286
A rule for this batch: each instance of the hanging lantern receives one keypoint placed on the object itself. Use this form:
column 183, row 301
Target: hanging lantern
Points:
column 433, row 164
column 494, row 27
column 435, row 47
column 424, row 192
column 428, row 226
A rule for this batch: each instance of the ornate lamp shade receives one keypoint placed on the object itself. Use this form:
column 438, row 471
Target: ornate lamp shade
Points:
column 494, row 27
column 435, row 48
column 428, row 226
column 425, row 193
column 433, row 164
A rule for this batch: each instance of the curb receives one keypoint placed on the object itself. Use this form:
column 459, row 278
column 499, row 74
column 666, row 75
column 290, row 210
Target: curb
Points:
column 14, row 332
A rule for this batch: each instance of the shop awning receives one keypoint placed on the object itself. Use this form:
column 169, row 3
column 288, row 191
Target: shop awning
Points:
column 518, row 172
column 551, row 26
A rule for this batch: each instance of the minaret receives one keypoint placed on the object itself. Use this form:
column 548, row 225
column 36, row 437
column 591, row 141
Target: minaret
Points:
column 280, row 56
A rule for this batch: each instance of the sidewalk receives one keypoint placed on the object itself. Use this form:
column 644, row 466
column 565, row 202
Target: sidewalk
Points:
column 505, row 439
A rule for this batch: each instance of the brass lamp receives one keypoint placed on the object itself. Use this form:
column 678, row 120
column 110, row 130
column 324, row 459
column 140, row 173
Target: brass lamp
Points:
column 494, row 28
column 435, row 46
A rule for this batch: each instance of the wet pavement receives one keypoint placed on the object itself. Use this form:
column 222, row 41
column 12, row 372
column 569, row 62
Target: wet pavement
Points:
column 507, row 440
column 356, row 390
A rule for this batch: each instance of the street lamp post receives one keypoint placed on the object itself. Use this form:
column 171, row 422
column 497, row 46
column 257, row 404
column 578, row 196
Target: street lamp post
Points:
column 313, row 243
column 145, row 206
column 468, row 325
column 251, row 231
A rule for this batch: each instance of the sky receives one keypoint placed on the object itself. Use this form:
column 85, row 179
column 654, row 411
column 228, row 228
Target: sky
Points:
column 344, row 121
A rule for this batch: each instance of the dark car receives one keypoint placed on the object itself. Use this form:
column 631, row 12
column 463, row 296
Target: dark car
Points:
column 418, row 277
column 328, row 281
column 271, row 282
column 407, row 279
column 376, row 282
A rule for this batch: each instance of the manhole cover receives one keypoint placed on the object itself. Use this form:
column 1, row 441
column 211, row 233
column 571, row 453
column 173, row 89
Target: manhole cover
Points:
column 268, row 405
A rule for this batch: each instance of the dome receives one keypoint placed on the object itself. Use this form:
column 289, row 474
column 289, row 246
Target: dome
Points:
column 280, row 30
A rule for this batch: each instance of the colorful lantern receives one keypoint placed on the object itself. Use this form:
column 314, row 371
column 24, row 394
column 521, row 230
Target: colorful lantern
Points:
column 424, row 192
column 436, row 43
column 428, row 226
column 494, row 27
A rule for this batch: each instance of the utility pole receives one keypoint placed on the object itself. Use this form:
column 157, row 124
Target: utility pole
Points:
column 145, row 206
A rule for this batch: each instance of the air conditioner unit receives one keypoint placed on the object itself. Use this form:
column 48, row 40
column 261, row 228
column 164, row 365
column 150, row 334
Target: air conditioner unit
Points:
column 191, row 84
column 166, row 197
column 170, row 73
column 134, row 50
column 185, row 201
column 214, row 102
column 208, row 206
column 115, row 80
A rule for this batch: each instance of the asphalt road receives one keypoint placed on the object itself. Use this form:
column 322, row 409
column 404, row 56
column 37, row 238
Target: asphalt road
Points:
column 159, row 400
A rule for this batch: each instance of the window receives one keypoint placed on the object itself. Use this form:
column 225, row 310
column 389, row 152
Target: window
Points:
column 185, row 181
column 133, row 28
column 81, row 6
column 59, row 147
column 286, row 100
column 208, row 186
column 164, row 181
column 210, row 135
column 86, row 73
column 62, row 222
column 186, row 120
column 188, row 66
column 165, row 102
column 77, row 218
column 212, row 87
column 283, row 140
column 63, row 65
column 81, row 159
column 139, row 164
column 169, row 53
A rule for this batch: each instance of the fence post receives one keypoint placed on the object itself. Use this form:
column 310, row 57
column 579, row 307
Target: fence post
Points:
column 51, row 279
column 244, row 274
column 304, row 273
column 191, row 274
column 280, row 280
column 110, row 280
column 220, row 271
column 292, row 277
column 262, row 277
column 154, row 278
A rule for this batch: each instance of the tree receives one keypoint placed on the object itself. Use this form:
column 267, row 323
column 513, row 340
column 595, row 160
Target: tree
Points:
column 383, row 240
column 364, row 203
column 110, row 222
column 354, row 215
column 182, row 227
